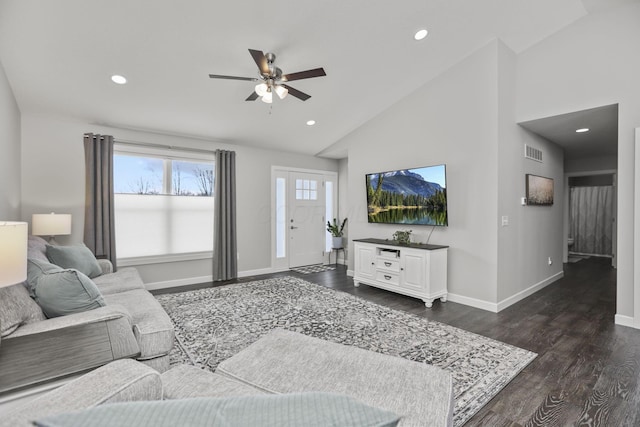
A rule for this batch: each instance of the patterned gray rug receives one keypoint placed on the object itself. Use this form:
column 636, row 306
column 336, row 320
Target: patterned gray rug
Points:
column 213, row 324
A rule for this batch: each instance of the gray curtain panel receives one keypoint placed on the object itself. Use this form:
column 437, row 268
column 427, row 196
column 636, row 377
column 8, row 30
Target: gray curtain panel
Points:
column 591, row 219
column 225, row 258
column 99, row 224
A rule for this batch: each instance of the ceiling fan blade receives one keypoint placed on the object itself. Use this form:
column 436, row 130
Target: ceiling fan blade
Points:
column 217, row 76
column 295, row 92
column 316, row 72
column 261, row 61
column 252, row 97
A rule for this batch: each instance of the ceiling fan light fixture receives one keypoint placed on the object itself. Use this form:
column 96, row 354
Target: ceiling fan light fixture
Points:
column 267, row 97
column 261, row 89
column 282, row 91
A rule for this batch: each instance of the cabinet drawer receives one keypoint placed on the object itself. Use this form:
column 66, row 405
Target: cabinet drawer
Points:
column 388, row 264
column 385, row 277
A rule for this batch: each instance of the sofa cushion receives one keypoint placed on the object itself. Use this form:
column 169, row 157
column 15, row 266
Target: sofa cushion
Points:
column 184, row 381
column 125, row 279
column 78, row 257
column 17, row 308
column 292, row 410
column 123, row 380
column 60, row 292
column 151, row 324
column 288, row 362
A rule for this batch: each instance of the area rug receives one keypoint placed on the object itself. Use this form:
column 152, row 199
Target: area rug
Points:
column 213, row 324
column 316, row 268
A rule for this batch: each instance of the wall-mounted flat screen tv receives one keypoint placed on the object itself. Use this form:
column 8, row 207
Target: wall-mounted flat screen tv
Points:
column 415, row 196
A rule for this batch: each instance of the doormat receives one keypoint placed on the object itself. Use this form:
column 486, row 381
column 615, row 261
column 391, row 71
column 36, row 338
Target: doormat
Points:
column 213, row 324
column 316, row 268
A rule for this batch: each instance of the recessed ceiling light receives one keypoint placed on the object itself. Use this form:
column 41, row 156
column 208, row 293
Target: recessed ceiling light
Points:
column 118, row 79
column 582, row 130
column 420, row 34
column 311, row 122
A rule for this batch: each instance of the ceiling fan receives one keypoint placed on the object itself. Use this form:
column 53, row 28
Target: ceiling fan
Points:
column 272, row 80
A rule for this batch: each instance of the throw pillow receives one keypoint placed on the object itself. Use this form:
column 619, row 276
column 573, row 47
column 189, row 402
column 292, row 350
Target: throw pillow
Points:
column 79, row 257
column 35, row 269
column 286, row 410
column 17, row 308
column 62, row 292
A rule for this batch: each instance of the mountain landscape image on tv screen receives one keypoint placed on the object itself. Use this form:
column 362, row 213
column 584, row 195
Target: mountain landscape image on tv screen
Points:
column 415, row 196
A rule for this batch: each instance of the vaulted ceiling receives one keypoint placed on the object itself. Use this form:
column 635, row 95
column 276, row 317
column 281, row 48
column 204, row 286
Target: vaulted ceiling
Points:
column 59, row 57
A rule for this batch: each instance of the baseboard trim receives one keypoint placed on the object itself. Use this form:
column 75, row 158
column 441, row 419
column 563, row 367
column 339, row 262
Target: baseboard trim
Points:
column 497, row 307
column 473, row 302
column 625, row 321
column 529, row 291
column 176, row 283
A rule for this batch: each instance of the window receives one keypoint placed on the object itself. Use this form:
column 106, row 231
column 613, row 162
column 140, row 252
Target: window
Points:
column 163, row 202
column 306, row 189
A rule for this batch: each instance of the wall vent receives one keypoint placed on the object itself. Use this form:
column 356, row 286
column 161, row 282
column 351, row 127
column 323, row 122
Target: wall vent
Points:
column 532, row 153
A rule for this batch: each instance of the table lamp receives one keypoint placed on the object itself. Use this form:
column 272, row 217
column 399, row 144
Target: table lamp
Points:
column 13, row 252
column 51, row 225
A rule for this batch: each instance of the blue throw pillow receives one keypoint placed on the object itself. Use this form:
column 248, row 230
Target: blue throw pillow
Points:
column 59, row 292
column 35, row 269
column 286, row 410
column 78, row 257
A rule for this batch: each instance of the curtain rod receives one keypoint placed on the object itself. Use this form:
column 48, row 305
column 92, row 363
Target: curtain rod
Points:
column 155, row 145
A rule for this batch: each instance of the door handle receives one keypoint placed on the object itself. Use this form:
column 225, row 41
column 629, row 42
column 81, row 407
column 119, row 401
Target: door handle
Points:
column 293, row 227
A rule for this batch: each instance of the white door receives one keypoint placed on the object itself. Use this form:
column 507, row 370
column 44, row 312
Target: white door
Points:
column 306, row 219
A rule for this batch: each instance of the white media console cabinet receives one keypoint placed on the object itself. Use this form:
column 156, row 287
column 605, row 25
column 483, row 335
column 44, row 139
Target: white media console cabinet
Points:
column 416, row 270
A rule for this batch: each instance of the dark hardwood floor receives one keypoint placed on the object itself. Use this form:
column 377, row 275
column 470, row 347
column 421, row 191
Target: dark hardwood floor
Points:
column 587, row 370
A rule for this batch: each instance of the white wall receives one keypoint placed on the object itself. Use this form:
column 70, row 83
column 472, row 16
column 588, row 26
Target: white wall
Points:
column 450, row 120
column 53, row 180
column 466, row 118
column 9, row 152
column 534, row 233
column 591, row 164
column 591, row 63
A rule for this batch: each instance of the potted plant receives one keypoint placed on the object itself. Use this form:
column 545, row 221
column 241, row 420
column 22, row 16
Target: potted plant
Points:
column 403, row 237
column 336, row 231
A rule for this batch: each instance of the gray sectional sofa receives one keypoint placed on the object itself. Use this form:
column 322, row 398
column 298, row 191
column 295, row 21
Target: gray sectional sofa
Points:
column 280, row 363
column 36, row 349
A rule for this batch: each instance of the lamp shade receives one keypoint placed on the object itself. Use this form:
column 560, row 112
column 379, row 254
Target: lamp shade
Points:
column 13, row 252
column 50, row 224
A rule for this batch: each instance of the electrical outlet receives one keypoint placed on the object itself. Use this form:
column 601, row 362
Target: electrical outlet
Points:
column 550, row 261
column 523, row 201
column 505, row 220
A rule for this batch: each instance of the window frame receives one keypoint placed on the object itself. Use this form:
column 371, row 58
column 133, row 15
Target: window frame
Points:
column 167, row 153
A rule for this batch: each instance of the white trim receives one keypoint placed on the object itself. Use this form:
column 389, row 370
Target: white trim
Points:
column 529, row 291
column 636, row 237
column 161, row 259
column 473, row 302
column 176, row 283
column 625, row 321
